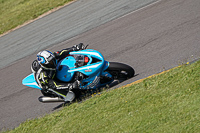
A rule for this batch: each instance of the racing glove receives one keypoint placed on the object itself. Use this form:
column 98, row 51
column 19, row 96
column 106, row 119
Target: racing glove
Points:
column 78, row 47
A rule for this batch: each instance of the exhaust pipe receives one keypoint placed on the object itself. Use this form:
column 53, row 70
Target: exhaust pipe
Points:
column 69, row 97
column 45, row 99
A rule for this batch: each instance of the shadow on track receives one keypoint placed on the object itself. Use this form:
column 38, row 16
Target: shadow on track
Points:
column 82, row 95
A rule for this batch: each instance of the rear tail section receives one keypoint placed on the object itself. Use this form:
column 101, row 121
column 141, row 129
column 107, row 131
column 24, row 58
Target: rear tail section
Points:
column 30, row 81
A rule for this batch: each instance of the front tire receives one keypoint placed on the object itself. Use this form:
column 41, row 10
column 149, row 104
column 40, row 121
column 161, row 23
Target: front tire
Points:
column 120, row 70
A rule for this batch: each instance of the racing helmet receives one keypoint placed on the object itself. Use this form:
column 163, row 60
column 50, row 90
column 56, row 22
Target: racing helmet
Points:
column 47, row 60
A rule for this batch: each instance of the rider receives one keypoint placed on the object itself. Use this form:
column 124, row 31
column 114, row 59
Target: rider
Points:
column 44, row 68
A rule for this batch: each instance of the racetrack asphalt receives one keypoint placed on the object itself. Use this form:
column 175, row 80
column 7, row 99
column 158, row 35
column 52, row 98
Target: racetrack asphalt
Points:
column 151, row 39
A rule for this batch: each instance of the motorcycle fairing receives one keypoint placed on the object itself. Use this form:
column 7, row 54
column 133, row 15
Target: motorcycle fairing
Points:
column 63, row 68
column 93, row 69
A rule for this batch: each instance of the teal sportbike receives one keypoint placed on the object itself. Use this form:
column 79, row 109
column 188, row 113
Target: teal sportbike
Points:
column 96, row 70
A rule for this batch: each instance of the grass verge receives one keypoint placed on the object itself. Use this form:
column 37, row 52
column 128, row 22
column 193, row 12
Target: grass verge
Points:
column 164, row 103
column 17, row 12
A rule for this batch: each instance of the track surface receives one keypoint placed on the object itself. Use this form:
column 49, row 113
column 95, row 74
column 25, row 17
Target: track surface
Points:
column 152, row 39
column 59, row 26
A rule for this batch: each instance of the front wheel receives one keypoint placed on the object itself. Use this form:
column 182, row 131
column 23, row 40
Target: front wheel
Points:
column 120, row 71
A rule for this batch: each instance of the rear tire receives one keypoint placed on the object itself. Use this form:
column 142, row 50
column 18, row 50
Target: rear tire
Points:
column 120, row 71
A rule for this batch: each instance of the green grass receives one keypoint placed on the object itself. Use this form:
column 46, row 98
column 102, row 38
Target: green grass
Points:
column 16, row 12
column 165, row 103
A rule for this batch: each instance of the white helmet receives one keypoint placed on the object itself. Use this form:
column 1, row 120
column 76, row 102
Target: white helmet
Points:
column 47, row 60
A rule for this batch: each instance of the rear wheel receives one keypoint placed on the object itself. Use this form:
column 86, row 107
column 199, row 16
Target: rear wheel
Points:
column 120, row 71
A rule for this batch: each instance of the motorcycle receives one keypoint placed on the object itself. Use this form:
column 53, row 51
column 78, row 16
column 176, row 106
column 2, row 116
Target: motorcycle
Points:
column 96, row 70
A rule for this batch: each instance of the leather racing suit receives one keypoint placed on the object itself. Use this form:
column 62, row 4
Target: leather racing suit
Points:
column 47, row 78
